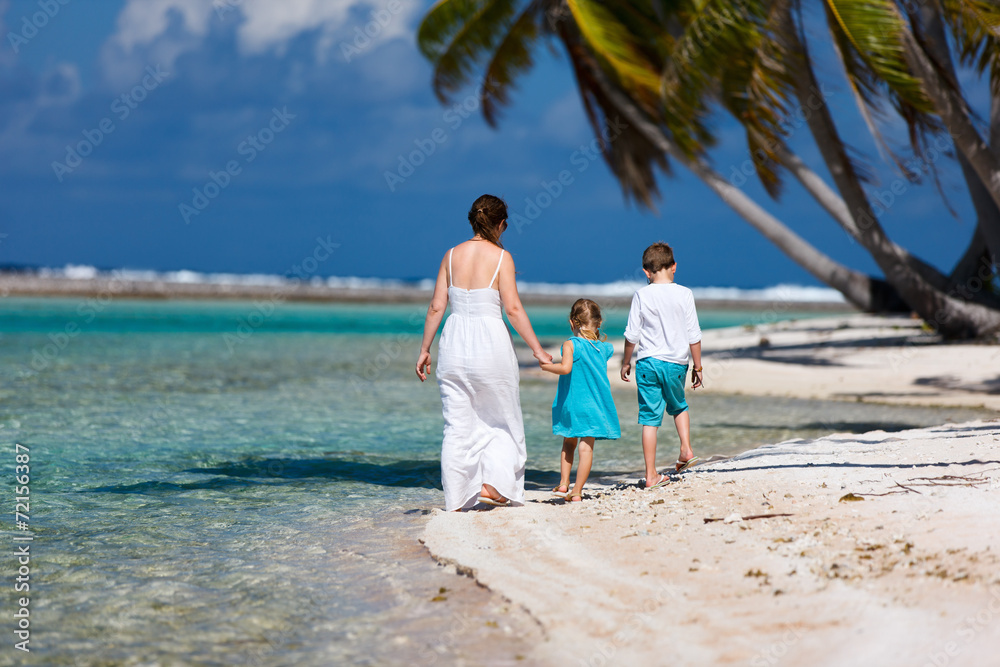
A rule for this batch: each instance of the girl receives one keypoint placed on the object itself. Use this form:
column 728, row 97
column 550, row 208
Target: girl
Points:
column 483, row 450
column 583, row 409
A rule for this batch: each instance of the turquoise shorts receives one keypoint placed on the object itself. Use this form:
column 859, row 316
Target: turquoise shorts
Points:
column 661, row 387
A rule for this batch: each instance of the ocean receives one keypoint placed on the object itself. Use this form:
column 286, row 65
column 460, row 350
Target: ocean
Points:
column 232, row 483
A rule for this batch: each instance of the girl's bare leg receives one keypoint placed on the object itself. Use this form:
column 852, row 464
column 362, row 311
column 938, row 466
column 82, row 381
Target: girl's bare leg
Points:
column 566, row 462
column 583, row 470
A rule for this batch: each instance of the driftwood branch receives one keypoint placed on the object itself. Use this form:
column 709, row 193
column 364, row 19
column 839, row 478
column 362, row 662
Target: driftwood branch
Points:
column 749, row 518
column 949, row 480
column 944, row 480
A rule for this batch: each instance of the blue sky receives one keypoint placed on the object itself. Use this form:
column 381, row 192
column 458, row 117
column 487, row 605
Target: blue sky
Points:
column 164, row 95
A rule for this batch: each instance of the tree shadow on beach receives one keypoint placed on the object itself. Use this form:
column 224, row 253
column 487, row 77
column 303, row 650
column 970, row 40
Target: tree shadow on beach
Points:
column 831, row 426
column 955, row 383
column 875, row 466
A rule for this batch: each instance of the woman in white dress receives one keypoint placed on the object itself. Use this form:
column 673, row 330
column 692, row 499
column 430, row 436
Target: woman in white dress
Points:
column 483, row 451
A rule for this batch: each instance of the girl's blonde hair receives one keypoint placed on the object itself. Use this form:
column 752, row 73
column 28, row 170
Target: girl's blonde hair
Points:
column 585, row 317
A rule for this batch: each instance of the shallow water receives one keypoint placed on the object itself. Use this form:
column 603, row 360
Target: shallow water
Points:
column 210, row 487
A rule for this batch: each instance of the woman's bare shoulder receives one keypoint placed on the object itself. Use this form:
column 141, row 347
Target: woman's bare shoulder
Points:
column 479, row 250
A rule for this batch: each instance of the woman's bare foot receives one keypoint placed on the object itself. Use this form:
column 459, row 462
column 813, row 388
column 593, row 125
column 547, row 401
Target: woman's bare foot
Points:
column 490, row 492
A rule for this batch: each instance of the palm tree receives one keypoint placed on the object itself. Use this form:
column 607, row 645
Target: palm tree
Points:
column 460, row 36
column 752, row 61
column 662, row 69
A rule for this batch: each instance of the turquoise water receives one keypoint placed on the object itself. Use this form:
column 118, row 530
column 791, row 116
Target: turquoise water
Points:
column 237, row 483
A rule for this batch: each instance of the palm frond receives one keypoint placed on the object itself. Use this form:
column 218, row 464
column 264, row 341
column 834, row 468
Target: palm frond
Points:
column 456, row 35
column 875, row 30
column 613, row 43
column 768, row 88
column 630, row 155
column 873, row 89
column 975, row 26
column 511, row 59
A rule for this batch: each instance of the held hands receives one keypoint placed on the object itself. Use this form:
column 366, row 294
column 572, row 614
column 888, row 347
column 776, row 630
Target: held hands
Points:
column 543, row 357
column 423, row 365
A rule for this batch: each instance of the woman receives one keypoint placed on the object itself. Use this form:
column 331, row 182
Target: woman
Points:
column 483, row 452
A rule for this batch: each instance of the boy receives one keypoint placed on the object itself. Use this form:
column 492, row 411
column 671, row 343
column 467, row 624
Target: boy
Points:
column 663, row 323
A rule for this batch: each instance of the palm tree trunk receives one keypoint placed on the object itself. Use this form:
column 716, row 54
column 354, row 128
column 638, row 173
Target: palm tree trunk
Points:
column 972, row 259
column 954, row 113
column 951, row 317
column 991, row 232
column 987, row 210
column 835, row 206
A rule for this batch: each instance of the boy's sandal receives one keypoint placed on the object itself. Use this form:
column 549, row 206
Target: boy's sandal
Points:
column 562, row 494
column 684, row 465
column 575, row 498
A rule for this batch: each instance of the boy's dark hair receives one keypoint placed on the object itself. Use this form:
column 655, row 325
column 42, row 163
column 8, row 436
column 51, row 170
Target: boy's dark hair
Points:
column 657, row 257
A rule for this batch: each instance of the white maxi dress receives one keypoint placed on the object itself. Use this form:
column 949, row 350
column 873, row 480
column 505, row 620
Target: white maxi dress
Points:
column 478, row 377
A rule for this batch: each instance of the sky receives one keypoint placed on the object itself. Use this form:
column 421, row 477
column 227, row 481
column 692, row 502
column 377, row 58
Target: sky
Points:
column 242, row 135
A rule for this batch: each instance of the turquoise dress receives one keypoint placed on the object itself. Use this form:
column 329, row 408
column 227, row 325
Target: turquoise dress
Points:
column 583, row 407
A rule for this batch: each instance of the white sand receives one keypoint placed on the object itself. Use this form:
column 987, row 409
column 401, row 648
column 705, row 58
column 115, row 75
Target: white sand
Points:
column 909, row 578
column 638, row 575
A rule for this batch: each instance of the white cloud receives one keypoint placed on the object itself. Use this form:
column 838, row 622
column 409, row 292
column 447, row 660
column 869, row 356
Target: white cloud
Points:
column 142, row 21
column 261, row 25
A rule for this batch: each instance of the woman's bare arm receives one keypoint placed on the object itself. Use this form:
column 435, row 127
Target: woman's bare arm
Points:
column 515, row 311
column 439, row 302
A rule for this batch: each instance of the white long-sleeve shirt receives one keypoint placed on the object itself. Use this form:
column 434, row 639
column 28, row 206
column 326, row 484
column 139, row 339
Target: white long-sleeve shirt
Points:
column 663, row 322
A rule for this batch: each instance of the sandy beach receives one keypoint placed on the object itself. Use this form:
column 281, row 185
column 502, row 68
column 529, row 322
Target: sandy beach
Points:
column 877, row 548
